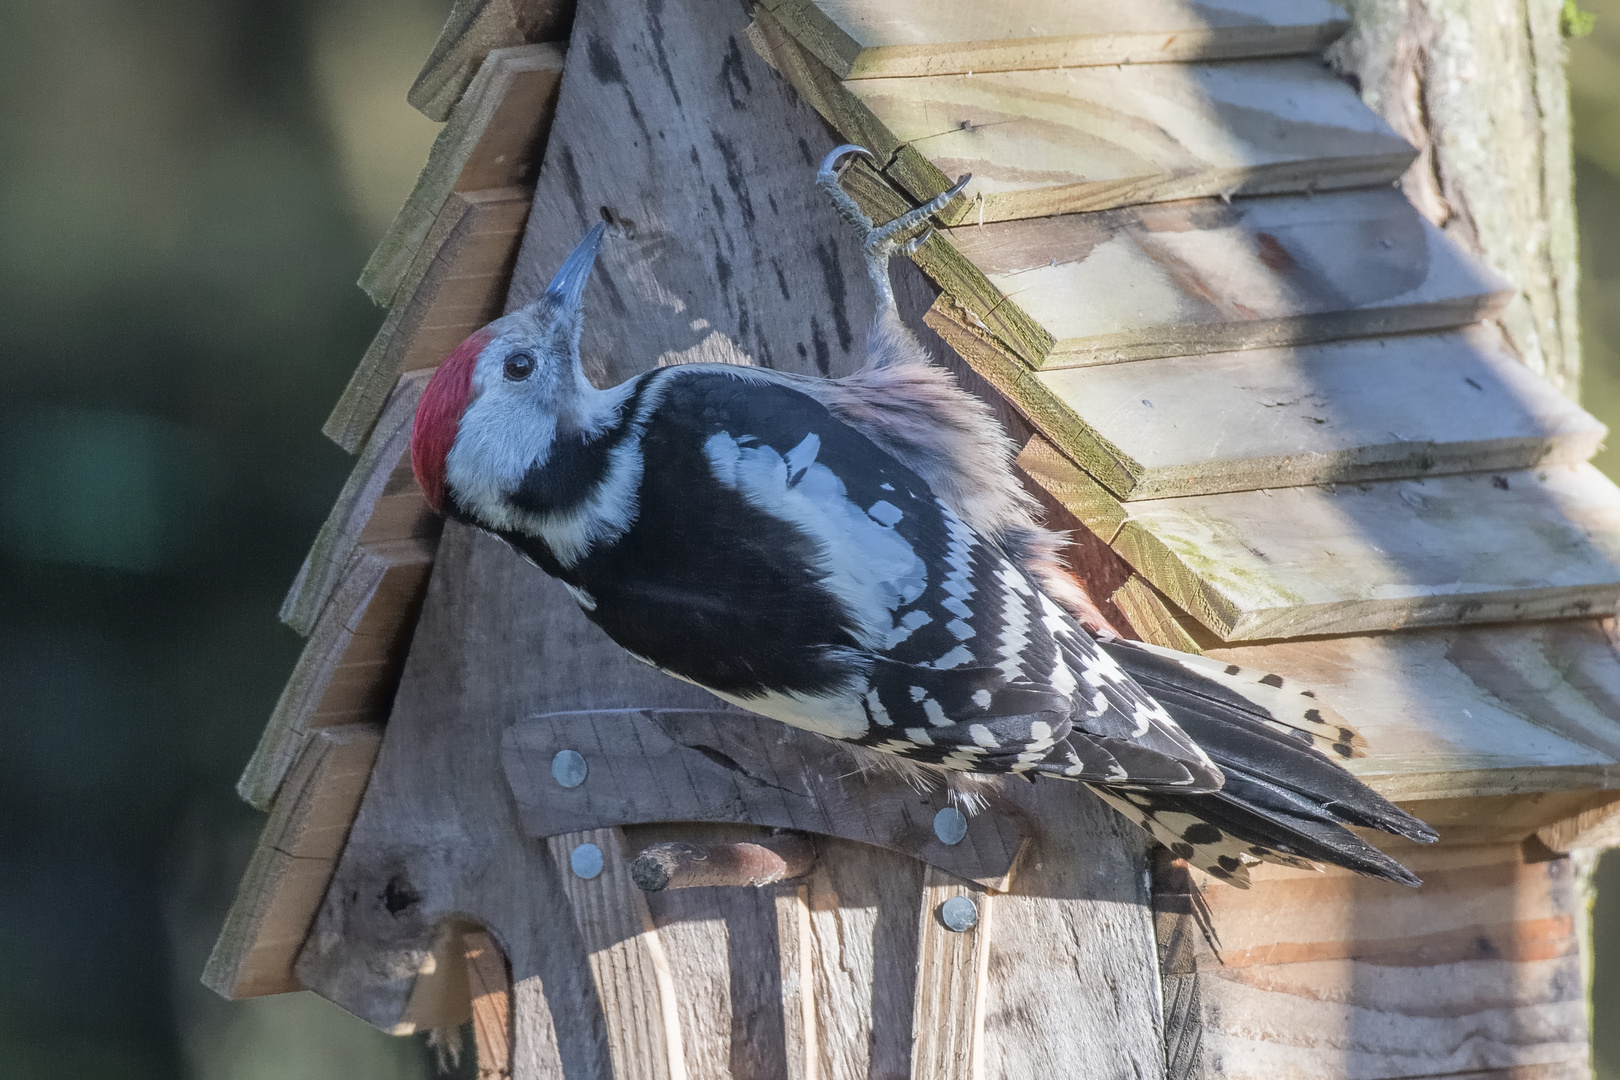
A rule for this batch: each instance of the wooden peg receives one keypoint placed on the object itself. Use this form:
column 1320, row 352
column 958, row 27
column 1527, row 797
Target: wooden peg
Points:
column 685, row 866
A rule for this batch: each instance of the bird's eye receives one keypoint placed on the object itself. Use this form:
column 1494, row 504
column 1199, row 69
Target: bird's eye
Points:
column 519, row 366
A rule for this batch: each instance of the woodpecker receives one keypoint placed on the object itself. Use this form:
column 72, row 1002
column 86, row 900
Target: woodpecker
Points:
column 856, row 557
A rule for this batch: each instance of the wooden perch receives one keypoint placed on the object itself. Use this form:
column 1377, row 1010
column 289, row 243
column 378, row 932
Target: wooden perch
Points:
column 474, row 29
column 680, row 865
column 493, row 140
column 860, row 39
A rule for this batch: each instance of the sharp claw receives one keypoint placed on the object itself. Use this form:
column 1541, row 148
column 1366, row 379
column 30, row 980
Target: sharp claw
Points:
column 956, row 189
column 910, row 247
column 829, row 164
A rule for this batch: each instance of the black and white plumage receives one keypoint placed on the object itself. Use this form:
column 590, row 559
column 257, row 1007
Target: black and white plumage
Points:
column 854, row 557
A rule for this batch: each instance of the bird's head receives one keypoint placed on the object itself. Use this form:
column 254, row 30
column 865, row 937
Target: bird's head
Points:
column 497, row 402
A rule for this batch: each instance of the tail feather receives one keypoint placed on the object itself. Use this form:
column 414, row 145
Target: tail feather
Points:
column 1284, row 799
column 1284, row 705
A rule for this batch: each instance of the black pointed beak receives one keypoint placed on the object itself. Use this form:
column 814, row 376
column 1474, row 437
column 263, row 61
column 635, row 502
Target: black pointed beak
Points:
column 568, row 287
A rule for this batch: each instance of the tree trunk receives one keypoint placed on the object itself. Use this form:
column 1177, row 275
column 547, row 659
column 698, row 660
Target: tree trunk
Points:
column 1478, row 86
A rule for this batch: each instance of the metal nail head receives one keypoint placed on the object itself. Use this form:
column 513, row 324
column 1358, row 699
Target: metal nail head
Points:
column 950, row 825
column 586, row 861
column 568, row 768
column 959, row 914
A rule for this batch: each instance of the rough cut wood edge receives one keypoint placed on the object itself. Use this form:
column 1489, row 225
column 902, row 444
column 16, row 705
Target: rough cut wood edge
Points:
column 284, row 882
column 456, row 284
column 908, row 167
column 473, row 30
column 493, row 140
column 834, row 46
column 1597, row 827
column 627, row 959
column 351, row 663
column 490, row 983
column 1152, row 616
column 952, row 984
column 369, row 508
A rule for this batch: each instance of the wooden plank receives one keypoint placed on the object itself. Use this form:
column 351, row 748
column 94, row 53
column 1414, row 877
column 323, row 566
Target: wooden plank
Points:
column 1097, row 138
column 474, row 29
column 1203, row 275
column 285, row 880
column 1596, row 827
column 722, row 946
column 1330, row 975
column 494, row 139
column 860, row 39
column 455, row 285
column 1072, row 966
column 1345, row 412
column 1152, row 617
column 1288, row 562
column 379, row 503
column 801, row 1043
column 351, row 663
column 952, row 982
column 725, row 765
column 490, row 984
column 1468, row 711
column 626, row 957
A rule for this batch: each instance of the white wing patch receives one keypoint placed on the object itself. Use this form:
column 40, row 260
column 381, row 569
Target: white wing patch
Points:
column 870, row 568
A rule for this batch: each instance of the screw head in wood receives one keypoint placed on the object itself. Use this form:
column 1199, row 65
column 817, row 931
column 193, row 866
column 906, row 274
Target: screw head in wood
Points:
column 950, row 825
column 959, row 914
column 586, row 861
column 568, row 768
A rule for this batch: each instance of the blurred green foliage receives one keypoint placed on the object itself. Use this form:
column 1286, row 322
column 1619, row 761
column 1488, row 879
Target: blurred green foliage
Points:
column 188, row 189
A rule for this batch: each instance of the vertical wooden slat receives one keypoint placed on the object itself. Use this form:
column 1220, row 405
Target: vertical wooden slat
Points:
column 627, row 959
column 491, row 986
column 948, row 1024
column 796, row 948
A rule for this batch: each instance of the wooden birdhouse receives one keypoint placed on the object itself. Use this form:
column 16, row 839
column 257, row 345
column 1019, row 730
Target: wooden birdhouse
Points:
column 1291, row 413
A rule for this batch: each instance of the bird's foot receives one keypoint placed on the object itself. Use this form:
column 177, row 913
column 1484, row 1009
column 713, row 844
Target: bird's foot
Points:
column 879, row 243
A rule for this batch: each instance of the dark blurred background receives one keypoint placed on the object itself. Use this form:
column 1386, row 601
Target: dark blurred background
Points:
column 188, row 189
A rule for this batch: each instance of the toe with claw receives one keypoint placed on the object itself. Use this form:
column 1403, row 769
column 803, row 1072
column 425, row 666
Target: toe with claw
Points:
column 879, row 242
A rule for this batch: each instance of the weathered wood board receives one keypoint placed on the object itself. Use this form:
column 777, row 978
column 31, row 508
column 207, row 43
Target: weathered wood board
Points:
column 1342, row 412
column 473, row 30
column 455, row 285
column 1288, row 562
column 493, row 140
column 379, row 503
column 860, row 39
column 1324, row 976
column 1199, row 276
column 725, row 765
column 1096, row 138
column 1467, row 711
column 292, row 864
column 351, row 663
